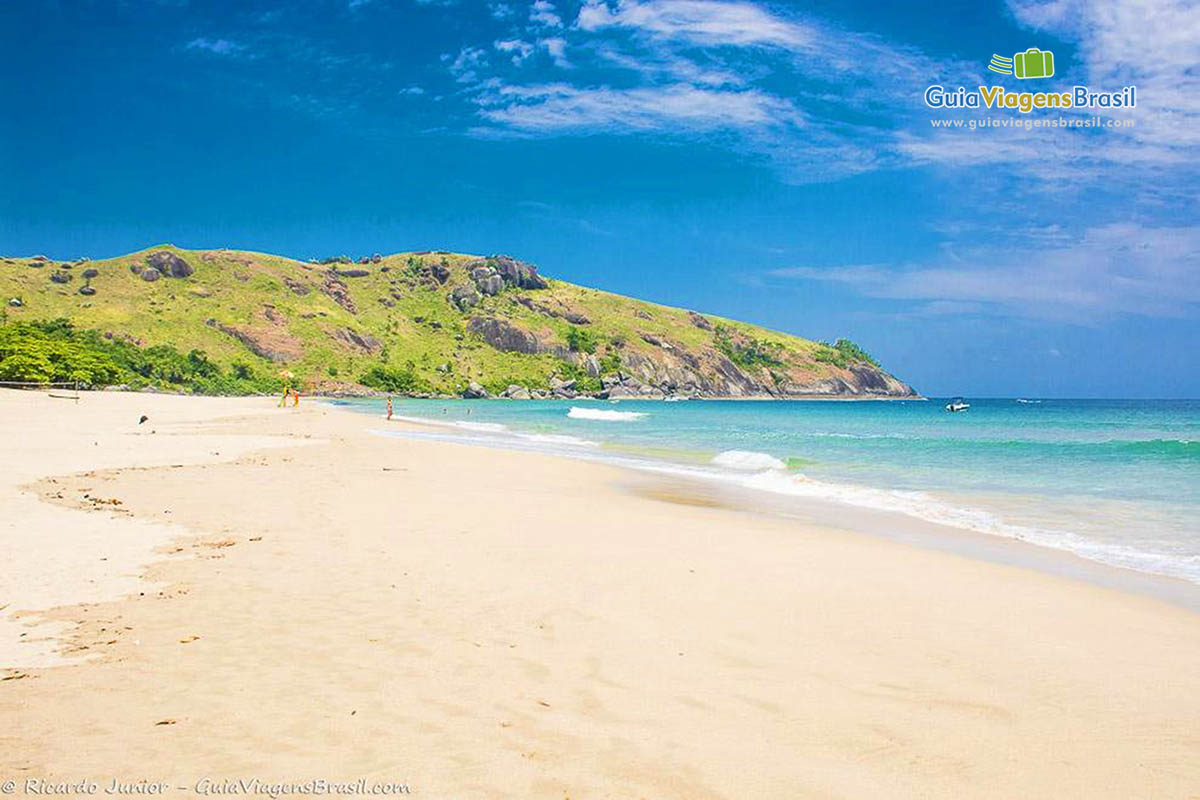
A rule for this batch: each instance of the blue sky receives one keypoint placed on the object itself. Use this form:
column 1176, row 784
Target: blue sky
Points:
column 773, row 162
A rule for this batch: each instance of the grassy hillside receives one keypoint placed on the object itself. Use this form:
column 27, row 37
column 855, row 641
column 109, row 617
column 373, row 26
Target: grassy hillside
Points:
column 424, row 322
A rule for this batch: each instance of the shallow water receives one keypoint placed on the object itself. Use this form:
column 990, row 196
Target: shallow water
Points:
column 1115, row 481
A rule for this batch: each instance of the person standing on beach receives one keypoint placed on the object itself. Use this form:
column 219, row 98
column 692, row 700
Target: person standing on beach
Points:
column 283, row 400
column 389, row 406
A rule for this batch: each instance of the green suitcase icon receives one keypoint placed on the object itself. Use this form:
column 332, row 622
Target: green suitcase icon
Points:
column 1033, row 63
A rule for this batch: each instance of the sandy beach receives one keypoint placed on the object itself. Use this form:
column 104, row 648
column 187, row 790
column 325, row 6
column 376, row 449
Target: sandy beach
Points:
column 278, row 594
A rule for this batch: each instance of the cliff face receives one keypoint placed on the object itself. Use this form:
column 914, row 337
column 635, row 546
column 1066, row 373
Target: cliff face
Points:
column 431, row 322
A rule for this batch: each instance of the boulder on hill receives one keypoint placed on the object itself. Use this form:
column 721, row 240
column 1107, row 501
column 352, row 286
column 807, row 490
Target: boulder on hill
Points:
column 464, row 297
column 518, row 273
column 87, row 290
column 354, row 273
column 512, row 273
column 441, row 272
column 151, row 275
column 504, row 335
column 90, row 273
column 169, row 264
column 59, row 276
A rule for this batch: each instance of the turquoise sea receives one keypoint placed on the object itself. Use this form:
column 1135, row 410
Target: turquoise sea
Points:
column 1114, row 481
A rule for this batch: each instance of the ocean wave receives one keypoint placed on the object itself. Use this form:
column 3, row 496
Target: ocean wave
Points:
column 747, row 460
column 604, row 415
column 925, row 507
column 486, row 427
column 557, row 438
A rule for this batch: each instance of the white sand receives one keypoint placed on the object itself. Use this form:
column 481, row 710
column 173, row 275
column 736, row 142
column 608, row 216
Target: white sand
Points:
column 486, row 624
column 54, row 556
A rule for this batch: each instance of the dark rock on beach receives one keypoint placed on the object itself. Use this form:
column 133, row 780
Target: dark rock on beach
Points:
column 474, row 392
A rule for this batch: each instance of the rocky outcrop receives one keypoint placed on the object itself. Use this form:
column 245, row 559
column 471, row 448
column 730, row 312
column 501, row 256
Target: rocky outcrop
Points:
column 338, row 292
column 475, row 392
column 518, row 273
column 515, row 392
column 362, row 342
column 169, row 264
column 706, row 372
column 561, row 312
column 267, row 338
column 504, row 335
column 60, row 276
column 487, row 280
column 296, row 286
column 494, row 274
column 464, row 297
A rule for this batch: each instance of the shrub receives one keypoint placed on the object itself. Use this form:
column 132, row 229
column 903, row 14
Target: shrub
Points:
column 581, row 341
column 746, row 351
column 55, row 351
column 842, row 353
column 388, row 379
column 611, row 362
column 584, row 383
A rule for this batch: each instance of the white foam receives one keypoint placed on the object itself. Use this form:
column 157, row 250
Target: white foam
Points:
column 603, row 414
column 555, row 438
column 747, row 460
column 487, row 427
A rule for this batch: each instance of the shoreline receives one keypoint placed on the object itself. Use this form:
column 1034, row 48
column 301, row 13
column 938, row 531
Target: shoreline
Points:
column 738, row 491
column 502, row 624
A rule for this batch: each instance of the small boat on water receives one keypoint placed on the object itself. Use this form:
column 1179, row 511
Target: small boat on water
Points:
column 957, row 404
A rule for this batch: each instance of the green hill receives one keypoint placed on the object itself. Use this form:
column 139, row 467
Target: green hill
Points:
column 430, row 322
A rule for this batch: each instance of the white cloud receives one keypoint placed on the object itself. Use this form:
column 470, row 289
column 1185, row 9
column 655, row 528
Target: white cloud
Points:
column 758, row 57
column 543, row 13
column 1112, row 269
column 564, row 108
column 556, row 47
column 708, row 22
column 520, row 50
column 1150, row 43
column 466, row 64
column 221, row 47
